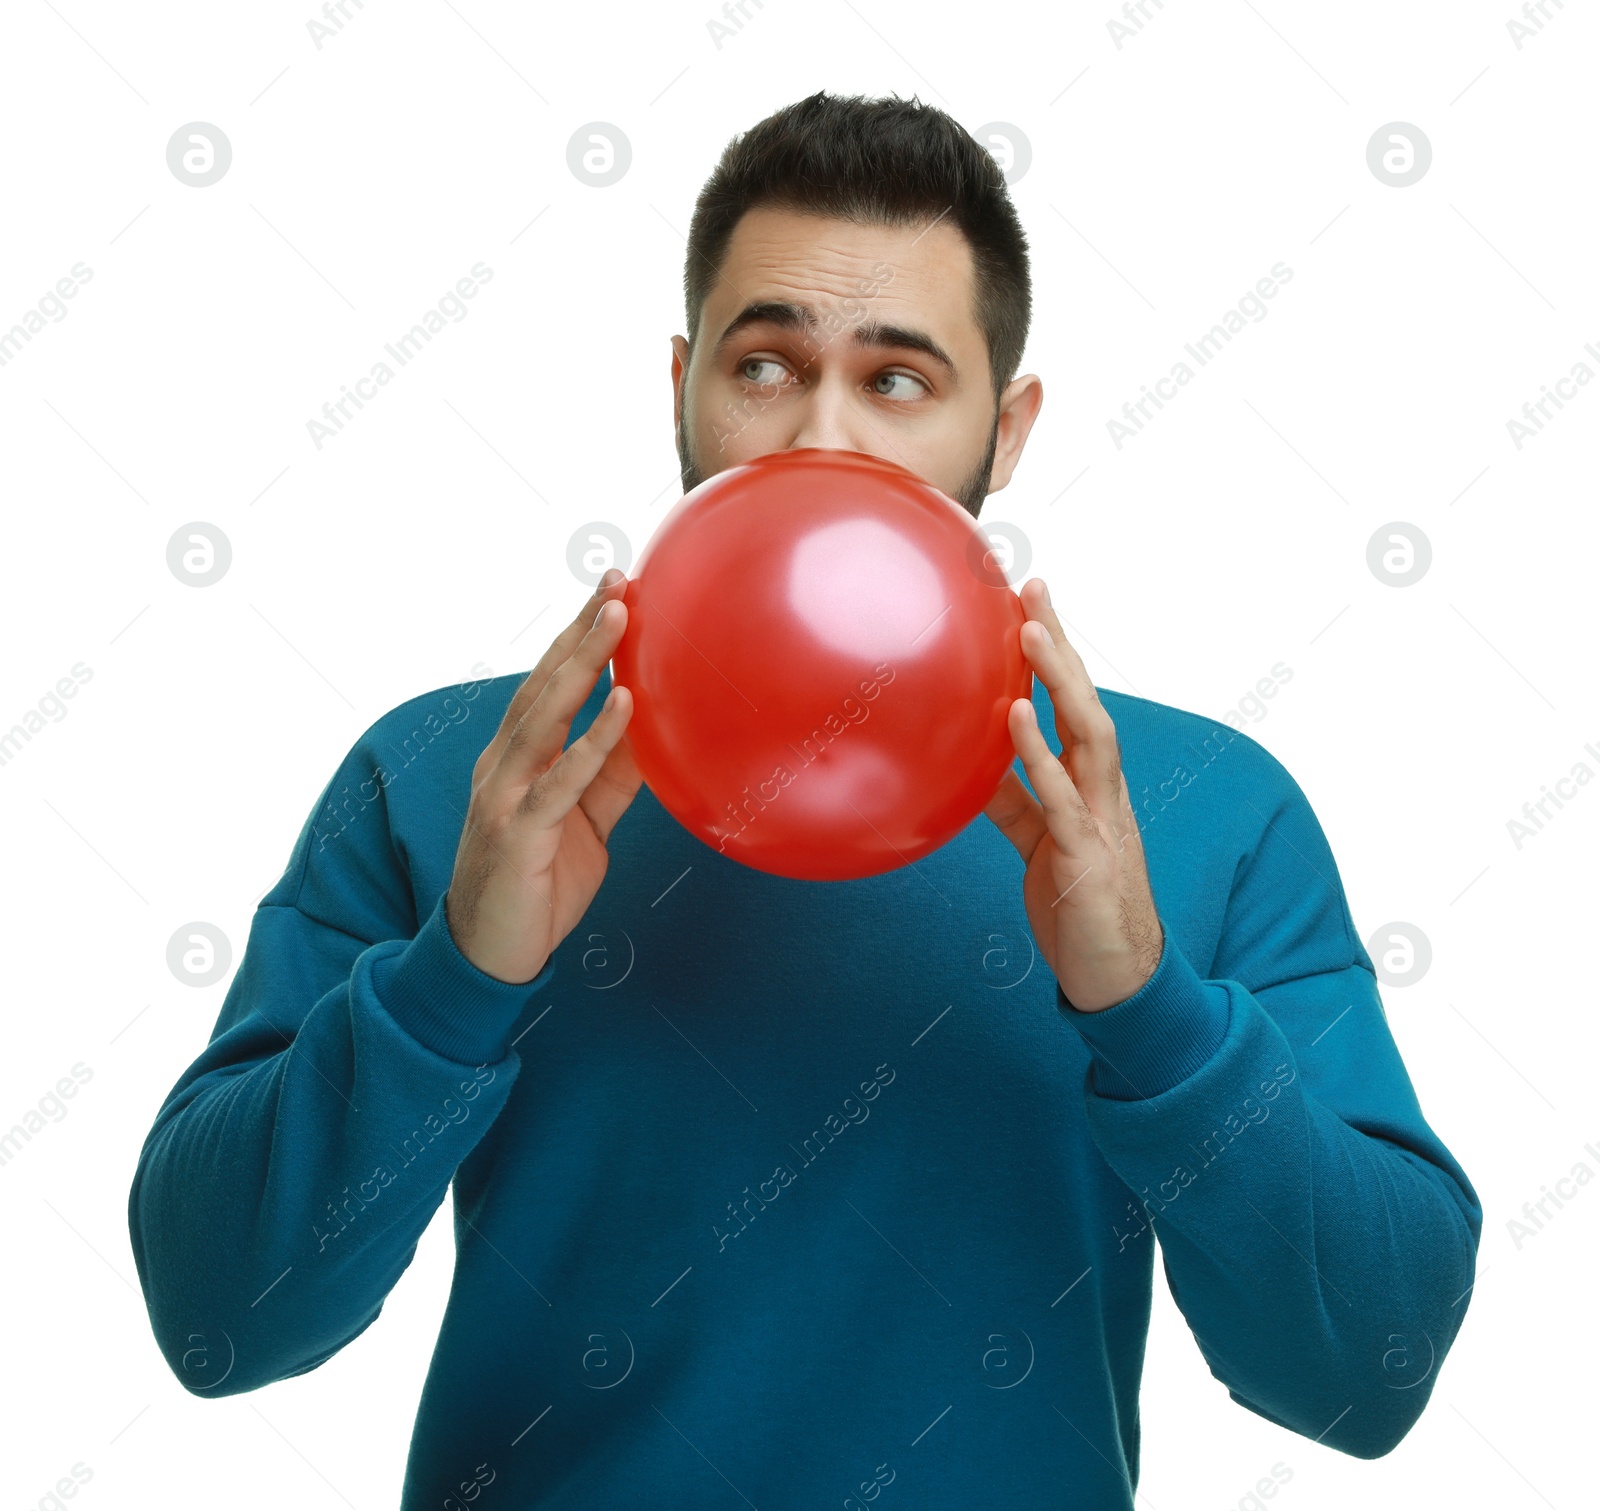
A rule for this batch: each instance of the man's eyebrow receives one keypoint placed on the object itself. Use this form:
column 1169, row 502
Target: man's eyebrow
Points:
column 877, row 335
column 869, row 334
column 779, row 312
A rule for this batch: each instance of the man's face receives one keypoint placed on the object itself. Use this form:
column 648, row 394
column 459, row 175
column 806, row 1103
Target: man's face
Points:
column 823, row 332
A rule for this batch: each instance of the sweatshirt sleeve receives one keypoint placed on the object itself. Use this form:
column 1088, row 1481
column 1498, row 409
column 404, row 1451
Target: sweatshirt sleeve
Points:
column 357, row 1060
column 1317, row 1235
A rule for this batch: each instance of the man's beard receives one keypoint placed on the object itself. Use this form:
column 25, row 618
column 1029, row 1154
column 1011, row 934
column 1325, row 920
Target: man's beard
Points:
column 970, row 495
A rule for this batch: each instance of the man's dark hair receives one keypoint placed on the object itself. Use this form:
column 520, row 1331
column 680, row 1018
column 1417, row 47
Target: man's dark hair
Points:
column 880, row 161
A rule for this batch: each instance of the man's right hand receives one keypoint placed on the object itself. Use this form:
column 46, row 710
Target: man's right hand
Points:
column 533, row 849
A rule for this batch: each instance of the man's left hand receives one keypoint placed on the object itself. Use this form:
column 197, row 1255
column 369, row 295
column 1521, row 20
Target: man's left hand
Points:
column 1084, row 885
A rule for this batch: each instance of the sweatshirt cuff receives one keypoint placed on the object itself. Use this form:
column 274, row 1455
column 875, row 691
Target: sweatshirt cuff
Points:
column 1149, row 1042
column 445, row 1002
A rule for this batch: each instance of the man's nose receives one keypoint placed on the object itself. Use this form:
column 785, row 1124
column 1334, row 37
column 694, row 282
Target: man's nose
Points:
column 832, row 418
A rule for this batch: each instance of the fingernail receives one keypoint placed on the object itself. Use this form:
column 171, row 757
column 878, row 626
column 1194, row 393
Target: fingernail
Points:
column 612, row 576
column 611, row 697
column 1046, row 587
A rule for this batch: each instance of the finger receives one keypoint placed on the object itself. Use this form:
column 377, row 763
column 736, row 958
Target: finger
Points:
column 618, row 780
column 610, row 586
column 539, row 735
column 1088, row 735
column 1016, row 813
column 568, row 781
column 1070, row 821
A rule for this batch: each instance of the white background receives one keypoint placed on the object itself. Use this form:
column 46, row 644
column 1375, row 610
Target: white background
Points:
column 1167, row 176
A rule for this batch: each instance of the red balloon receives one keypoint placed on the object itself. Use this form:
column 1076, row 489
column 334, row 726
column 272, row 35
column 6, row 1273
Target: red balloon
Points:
column 822, row 654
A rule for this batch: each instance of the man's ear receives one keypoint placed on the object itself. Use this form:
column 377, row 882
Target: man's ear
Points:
column 680, row 371
column 1019, row 408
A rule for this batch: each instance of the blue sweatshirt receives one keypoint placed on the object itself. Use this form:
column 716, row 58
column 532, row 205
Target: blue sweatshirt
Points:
column 793, row 1194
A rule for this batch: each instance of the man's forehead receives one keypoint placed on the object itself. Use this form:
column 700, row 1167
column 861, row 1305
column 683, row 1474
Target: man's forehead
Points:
column 779, row 254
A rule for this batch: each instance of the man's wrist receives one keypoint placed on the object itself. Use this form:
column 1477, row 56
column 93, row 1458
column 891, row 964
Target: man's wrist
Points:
column 1149, row 1042
column 1116, row 982
column 445, row 1001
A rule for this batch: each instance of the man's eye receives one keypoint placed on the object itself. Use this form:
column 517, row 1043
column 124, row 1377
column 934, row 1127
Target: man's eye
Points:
column 763, row 370
column 885, row 383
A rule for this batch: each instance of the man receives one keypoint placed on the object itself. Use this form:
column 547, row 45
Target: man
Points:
column 786, row 1193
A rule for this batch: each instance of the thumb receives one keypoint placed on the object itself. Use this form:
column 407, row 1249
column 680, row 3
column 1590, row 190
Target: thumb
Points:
column 1016, row 813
